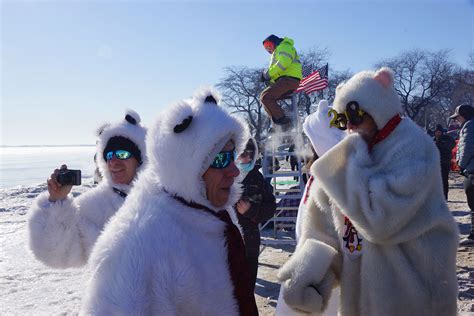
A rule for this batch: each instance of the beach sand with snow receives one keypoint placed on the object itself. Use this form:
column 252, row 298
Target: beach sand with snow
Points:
column 27, row 287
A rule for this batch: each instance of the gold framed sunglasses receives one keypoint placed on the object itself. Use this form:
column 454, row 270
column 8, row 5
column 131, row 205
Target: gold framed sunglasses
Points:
column 353, row 114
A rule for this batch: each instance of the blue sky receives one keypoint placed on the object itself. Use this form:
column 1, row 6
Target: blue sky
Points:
column 68, row 66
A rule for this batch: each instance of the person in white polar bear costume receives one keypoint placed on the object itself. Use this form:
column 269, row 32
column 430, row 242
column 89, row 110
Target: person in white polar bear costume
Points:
column 377, row 223
column 173, row 248
column 62, row 229
column 317, row 126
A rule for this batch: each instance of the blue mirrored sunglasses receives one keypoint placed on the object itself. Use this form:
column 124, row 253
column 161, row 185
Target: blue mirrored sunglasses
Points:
column 223, row 159
column 120, row 154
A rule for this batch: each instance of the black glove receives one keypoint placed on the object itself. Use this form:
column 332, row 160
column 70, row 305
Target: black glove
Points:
column 265, row 76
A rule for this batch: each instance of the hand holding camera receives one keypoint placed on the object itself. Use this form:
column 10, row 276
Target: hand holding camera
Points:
column 61, row 181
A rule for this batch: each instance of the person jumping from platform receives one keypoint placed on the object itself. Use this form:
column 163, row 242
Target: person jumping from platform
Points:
column 283, row 74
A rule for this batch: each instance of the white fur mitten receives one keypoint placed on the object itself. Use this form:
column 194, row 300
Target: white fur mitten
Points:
column 317, row 127
column 307, row 278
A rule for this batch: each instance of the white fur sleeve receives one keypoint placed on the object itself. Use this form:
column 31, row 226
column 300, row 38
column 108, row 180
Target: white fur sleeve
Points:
column 316, row 221
column 310, row 274
column 307, row 277
column 53, row 233
column 380, row 199
column 317, row 127
column 120, row 277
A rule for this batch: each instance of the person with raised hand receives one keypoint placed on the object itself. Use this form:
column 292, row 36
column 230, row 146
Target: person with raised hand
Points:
column 62, row 229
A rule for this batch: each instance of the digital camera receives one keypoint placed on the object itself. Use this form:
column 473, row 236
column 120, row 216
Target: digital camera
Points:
column 69, row 177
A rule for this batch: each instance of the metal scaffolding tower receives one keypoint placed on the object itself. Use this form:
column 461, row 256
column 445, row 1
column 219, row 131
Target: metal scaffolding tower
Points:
column 288, row 198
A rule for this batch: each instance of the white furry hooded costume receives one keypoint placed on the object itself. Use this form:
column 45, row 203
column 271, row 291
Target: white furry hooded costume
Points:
column 62, row 233
column 399, row 257
column 322, row 137
column 159, row 255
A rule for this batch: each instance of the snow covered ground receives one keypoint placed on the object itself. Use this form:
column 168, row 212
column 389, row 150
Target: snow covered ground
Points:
column 27, row 287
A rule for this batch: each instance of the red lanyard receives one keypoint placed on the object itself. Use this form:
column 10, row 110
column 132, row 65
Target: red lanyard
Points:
column 385, row 131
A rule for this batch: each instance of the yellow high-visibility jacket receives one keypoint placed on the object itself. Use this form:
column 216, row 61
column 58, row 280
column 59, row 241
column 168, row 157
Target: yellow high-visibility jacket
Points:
column 285, row 61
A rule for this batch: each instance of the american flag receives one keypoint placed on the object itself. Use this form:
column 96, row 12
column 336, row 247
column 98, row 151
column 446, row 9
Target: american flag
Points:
column 316, row 81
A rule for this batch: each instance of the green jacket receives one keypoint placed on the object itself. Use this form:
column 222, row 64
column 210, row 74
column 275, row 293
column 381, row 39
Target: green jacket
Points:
column 285, row 61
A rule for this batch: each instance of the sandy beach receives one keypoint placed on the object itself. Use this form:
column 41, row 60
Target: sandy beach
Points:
column 273, row 257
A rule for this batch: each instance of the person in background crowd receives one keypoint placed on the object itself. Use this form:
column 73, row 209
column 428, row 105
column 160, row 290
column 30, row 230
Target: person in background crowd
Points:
column 317, row 128
column 465, row 158
column 257, row 205
column 293, row 160
column 307, row 167
column 174, row 248
column 271, row 164
column 62, row 229
column 284, row 74
column 445, row 144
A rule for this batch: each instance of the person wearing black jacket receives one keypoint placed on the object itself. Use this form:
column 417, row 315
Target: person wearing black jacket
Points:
column 445, row 144
column 257, row 205
column 293, row 160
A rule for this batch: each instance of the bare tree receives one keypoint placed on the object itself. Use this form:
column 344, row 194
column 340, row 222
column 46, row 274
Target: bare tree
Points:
column 458, row 89
column 336, row 78
column 313, row 59
column 422, row 79
column 241, row 88
column 463, row 85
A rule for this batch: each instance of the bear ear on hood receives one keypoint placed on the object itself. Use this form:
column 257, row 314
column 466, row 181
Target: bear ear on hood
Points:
column 384, row 76
column 101, row 129
column 210, row 99
column 207, row 95
column 178, row 118
column 179, row 128
column 185, row 116
column 132, row 117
